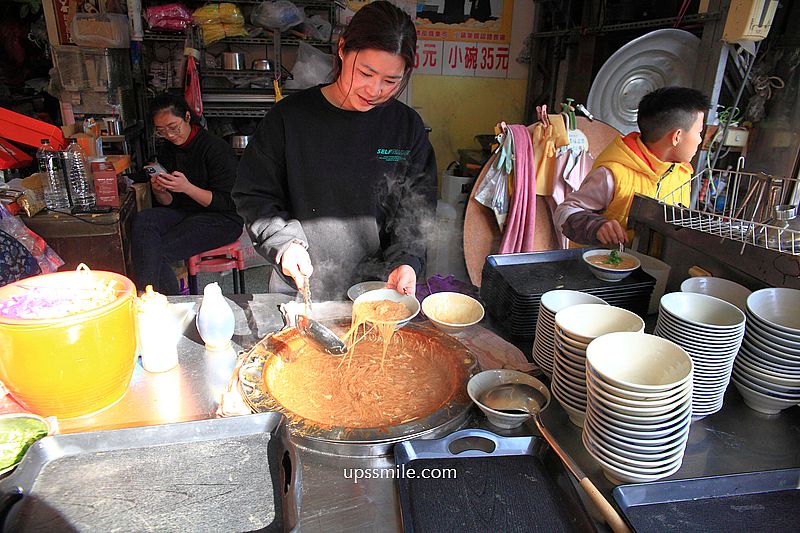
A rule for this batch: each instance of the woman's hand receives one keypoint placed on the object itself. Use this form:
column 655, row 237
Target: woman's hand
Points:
column 156, row 184
column 612, row 233
column 176, row 181
column 403, row 279
column 296, row 263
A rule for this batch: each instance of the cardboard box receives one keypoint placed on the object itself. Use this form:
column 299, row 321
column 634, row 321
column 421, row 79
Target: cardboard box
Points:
column 105, row 183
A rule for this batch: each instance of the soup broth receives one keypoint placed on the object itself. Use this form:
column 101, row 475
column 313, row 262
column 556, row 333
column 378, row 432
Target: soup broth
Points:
column 604, row 261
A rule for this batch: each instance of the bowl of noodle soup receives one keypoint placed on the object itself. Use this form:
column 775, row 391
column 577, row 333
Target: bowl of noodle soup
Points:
column 376, row 306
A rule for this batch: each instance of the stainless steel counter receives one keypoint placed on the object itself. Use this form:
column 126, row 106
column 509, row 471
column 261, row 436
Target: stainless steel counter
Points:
column 737, row 439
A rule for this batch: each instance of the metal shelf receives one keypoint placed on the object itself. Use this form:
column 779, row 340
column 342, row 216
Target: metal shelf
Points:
column 235, row 112
column 158, row 36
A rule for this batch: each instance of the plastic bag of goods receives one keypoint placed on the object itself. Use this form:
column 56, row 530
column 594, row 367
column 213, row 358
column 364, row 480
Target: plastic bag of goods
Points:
column 280, row 15
column 169, row 17
column 312, row 67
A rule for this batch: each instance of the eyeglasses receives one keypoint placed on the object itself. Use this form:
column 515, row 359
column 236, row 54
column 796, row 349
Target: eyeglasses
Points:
column 169, row 131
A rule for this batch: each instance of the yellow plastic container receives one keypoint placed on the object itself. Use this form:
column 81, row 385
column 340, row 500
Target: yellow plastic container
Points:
column 75, row 365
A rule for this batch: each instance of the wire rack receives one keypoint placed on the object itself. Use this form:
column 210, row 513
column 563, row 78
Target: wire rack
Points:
column 755, row 209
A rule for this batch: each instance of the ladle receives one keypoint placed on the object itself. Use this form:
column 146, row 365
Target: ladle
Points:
column 521, row 397
column 314, row 331
column 320, row 335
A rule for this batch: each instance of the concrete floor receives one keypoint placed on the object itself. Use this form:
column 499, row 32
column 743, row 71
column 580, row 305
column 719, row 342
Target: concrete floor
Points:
column 256, row 280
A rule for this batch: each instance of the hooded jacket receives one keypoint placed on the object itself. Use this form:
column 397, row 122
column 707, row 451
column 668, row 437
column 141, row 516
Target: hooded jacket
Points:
column 637, row 170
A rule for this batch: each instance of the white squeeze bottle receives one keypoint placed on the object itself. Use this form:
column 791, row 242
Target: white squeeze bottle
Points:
column 215, row 321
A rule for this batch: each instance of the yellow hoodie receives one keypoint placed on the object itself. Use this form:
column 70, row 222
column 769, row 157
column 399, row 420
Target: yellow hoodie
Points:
column 636, row 169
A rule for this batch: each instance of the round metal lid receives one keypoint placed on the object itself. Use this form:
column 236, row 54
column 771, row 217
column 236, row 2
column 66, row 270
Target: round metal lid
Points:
column 657, row 59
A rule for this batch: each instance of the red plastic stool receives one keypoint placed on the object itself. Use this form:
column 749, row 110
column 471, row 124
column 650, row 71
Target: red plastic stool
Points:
column 218, row 260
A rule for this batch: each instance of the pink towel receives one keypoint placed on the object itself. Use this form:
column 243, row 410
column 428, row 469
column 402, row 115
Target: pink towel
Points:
column 521, row 221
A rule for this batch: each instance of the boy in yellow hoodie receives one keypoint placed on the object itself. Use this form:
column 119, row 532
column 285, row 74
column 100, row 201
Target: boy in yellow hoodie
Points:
column 653, row 162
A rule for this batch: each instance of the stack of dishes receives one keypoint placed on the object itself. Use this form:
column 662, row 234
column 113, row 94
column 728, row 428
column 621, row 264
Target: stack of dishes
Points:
column 767, row 370
column 513, row 284
column 575, row 328
column 711, row 331
column 721, row 288
column 553, row 302
column 639, row 406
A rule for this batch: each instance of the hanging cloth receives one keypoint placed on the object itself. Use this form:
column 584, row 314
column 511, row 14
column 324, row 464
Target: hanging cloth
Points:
column 518, row 235
column 547, row 138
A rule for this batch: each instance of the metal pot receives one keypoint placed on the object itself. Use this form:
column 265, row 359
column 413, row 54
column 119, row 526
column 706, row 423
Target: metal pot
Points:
column 233, row 60
column 262, row 64
column 239, row 142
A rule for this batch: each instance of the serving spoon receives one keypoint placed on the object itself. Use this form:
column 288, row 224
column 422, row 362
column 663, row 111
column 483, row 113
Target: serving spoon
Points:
column 521, row 397
column 314, row 330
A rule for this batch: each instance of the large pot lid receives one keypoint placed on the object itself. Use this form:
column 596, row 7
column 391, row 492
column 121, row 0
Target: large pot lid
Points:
column 657, row 59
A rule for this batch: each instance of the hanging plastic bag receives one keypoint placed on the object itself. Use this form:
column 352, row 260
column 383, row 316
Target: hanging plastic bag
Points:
column 312, row 67
column 280, row 15
column 47, row 259
column 191, row 86
column 170, row 17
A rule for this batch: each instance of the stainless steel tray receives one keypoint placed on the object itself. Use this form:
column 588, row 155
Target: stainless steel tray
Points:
column 474, row 480
column 225, row 474
column 756, row 501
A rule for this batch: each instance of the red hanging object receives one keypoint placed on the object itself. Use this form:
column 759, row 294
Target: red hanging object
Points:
column 191, row 86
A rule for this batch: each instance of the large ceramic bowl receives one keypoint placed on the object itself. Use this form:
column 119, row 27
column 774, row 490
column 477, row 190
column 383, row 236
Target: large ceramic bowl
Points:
column 452, row 312
column 585, row 322
column 610, row 272
column 639, row 361
column 487, row 380
column 411, row 303
column 724, row 289
column 778, row 308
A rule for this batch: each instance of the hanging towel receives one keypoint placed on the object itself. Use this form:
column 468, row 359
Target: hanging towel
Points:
column 547, row 139
column 569, row 170
column 520, row 224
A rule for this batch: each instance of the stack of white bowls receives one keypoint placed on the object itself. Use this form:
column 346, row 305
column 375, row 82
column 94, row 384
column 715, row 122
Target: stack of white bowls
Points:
column 721, row 288
column 575, row 328
column 767, row 370
column 552, row 302
column 711, row 331
column 639, row 406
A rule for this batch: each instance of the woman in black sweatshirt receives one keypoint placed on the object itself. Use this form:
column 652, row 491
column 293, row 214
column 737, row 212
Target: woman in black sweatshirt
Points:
column 195, row 211
column 342, row 176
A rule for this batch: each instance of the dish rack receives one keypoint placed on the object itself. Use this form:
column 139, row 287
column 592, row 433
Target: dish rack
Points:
column 754, row 209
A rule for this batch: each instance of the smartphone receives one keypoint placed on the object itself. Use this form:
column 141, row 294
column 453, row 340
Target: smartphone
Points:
column 154, row 169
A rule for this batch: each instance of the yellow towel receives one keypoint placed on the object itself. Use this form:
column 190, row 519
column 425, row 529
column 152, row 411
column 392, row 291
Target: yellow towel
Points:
column 546, row 140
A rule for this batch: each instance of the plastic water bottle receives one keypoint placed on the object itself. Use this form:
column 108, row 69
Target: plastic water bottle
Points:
column 215, row 320
column 81, row 187
column 54, row 183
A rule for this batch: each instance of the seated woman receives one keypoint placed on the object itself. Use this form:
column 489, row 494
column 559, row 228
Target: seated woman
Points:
column 195, row 212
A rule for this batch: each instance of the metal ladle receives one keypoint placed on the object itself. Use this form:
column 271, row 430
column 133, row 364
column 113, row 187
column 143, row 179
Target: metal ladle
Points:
column 521, row 397
column 320, row 335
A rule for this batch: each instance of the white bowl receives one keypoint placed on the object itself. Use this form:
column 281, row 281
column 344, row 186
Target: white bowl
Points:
column 721, row 288
column 639, row 362
column 653, row 395
column 452, row 312
column 619, row 474
column 702, row 310
column 555, row 301
column 411, row 303
column 761, row 402
column 778, row 338
column 778, row 307
column 609, row 273
column 360, row 288
column 487, row 380
column 585, row 322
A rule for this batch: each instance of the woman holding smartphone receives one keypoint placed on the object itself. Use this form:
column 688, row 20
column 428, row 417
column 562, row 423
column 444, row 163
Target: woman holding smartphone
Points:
column 192, row 185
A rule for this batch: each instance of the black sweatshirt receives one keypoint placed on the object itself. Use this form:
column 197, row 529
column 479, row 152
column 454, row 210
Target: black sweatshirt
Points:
column 208, row 162
column 359, row 188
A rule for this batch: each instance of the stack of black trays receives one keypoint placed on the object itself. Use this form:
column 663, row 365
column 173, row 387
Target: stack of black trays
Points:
column 513, row 284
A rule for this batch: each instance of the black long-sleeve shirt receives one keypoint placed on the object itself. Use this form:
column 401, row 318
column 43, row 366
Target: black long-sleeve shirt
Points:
column 359, row 188
column 208, row 162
